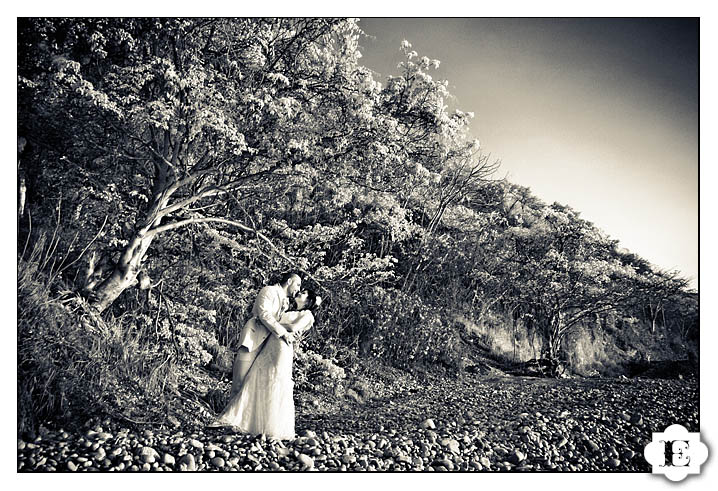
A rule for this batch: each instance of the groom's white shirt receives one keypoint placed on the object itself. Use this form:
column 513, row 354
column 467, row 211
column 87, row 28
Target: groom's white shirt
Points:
column 269, row 306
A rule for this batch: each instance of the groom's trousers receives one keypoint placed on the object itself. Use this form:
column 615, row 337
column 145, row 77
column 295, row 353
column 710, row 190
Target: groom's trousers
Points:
column 242, row 363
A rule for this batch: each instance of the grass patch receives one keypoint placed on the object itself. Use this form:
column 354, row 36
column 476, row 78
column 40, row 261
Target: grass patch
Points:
column 73, row 364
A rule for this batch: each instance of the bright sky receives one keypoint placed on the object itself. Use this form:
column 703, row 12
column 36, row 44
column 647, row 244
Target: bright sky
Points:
column 598, row 114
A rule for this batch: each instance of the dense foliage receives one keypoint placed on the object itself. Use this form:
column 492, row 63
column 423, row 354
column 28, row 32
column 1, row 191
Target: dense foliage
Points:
column 170, row 167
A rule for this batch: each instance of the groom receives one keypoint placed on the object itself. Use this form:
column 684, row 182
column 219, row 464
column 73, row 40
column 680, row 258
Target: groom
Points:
column 268, row 308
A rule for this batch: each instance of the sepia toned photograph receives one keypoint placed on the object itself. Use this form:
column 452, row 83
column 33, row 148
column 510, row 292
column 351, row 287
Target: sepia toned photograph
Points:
column 344, row 245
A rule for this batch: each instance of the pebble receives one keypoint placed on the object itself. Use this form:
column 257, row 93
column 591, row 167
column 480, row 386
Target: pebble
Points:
column 591, row 445
column 306, row 461
column 446, row 463
column 188, row 462
column 428, row 424
column 517, row 457
column 218, row 462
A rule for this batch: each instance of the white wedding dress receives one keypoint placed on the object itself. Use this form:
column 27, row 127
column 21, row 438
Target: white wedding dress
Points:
column 265, row 403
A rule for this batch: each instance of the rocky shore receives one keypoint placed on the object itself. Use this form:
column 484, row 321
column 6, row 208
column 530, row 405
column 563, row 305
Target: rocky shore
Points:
column 482, row 424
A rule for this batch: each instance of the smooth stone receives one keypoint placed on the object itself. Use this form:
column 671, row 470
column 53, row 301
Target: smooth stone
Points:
column 445, row 463
column 188, row 462
column 149, row 451
column 306, row 461
column 517, row 457
column 428, row 424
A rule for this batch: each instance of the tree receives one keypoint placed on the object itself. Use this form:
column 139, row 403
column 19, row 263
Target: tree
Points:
column 186, row 121
column 562, row 271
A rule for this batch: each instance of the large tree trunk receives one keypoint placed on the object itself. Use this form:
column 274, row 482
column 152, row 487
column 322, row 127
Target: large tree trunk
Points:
column 124, row 274
column 554, row 339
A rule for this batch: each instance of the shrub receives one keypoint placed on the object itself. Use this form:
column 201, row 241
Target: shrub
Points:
column 406, row 331
column 314, row 373
column 72, row 364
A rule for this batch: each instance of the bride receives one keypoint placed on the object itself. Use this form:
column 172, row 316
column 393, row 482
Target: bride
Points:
column 265, row 403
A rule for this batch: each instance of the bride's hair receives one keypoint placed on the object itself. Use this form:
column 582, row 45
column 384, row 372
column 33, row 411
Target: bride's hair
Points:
column 311, row 300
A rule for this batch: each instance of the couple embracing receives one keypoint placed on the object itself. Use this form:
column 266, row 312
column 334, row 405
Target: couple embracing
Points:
column 261, row 400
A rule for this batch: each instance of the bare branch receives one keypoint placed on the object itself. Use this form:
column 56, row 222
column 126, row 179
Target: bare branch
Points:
column 243, row 228
column 99, row 232
column 208, row 192
column 188, row 221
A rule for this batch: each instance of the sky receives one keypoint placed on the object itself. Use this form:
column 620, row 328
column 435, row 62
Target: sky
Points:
column 599, row 114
